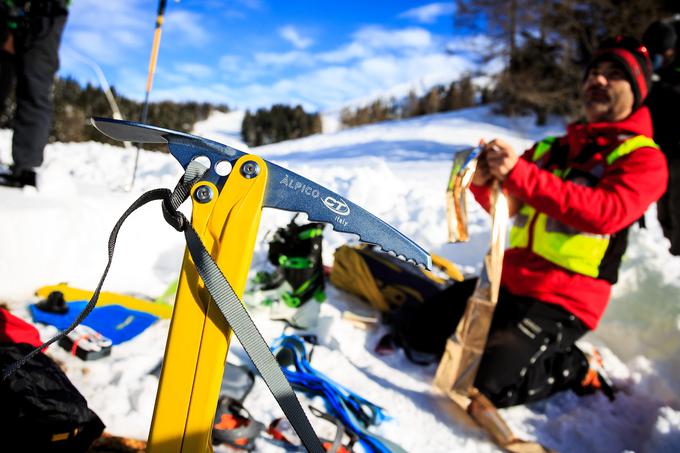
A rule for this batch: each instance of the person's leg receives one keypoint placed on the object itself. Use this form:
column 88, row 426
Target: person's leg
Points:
column 663, row 214
column 7, row 78
column 530, row 352
column 673, row 195
column 37, row 64
column 7, row 75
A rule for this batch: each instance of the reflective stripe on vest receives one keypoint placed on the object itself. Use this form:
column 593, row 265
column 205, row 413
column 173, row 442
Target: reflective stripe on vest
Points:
column 543, row 147
column 559, row 243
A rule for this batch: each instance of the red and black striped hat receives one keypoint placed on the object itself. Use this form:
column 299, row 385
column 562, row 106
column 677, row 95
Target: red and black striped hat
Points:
column 633, row 57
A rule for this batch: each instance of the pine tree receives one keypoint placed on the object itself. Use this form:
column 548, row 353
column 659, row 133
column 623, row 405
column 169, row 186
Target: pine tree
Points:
column 452, row 98
column 280, row 122
column 466, row 91
column 412, row 105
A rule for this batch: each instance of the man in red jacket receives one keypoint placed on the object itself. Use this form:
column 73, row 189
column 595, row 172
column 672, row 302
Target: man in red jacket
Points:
column 573, row 199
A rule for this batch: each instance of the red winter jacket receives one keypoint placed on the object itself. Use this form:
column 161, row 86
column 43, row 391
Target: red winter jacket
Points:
column 621, row 196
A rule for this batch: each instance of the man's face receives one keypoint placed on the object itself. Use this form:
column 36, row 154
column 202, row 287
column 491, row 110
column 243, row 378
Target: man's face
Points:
column 607, row 93
column 668, row 57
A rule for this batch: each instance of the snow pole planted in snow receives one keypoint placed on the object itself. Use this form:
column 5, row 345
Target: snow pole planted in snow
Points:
column 160, row 17
column 228, row 195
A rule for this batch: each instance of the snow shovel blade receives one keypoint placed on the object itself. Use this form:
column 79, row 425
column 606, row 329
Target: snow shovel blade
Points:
column 464, row 158
column 286, row 190
column 462, row 170
column 291, row 192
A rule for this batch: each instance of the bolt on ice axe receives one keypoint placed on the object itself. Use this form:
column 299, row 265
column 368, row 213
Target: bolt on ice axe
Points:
column 227, row 204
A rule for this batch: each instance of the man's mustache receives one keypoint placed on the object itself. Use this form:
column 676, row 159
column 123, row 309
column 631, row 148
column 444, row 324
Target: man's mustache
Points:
column 596, row 93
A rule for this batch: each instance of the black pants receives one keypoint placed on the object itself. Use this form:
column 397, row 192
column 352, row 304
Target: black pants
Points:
column 530, row 352
column 668, row 207
column 34, row 64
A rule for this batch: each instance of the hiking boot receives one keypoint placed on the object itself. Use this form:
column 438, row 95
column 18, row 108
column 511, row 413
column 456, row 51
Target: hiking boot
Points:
column 18, row 178
column 596, row 378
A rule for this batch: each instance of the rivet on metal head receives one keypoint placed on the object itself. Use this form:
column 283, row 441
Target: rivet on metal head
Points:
column 203, row 194
column 250, row 169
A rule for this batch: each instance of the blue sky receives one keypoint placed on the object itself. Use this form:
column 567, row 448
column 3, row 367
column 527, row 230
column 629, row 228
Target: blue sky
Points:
column 254, row 53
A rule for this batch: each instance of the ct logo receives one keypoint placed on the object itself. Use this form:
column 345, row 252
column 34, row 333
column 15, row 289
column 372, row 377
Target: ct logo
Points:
column 337, row 206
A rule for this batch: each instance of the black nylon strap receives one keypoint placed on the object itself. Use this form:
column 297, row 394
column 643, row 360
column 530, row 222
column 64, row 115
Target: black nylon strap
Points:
column 156, row 194
column 224, row 296
column 237, row 316
column 247, row 333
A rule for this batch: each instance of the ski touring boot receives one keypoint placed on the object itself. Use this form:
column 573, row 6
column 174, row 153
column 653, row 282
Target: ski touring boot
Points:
column 296, row 252
column 596, row 378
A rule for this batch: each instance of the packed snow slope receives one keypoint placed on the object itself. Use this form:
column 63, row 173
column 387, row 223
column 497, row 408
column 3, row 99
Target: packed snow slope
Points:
column 397, row 170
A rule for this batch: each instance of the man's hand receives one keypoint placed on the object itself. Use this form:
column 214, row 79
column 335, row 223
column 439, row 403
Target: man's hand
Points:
column 500, row 158
column 482, row 175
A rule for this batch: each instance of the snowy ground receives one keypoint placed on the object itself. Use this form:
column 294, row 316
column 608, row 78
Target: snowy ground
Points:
column 398, row 171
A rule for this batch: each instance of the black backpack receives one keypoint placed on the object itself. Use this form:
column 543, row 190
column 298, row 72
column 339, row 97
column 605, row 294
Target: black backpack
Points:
column 422, row 328
column 41, row 410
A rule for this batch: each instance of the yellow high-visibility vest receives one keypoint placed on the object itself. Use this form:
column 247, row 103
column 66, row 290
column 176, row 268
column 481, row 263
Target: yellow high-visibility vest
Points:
column 556, row 242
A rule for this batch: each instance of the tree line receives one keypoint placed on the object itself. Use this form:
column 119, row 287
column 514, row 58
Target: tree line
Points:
column 545, row 45
column 280, row 122
column 74, row 105
column 440, row 98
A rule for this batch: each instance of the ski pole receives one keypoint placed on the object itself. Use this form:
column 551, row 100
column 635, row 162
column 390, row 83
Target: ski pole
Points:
column 149, row 80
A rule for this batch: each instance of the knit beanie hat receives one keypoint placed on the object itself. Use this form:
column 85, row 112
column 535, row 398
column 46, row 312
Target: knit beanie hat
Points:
column 632, row 56
column 659, row 37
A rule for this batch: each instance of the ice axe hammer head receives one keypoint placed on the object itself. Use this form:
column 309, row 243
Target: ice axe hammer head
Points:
column 285, row 189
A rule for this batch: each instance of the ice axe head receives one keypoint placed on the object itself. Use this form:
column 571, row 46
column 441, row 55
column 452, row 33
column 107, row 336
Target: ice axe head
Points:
column 285, row 189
